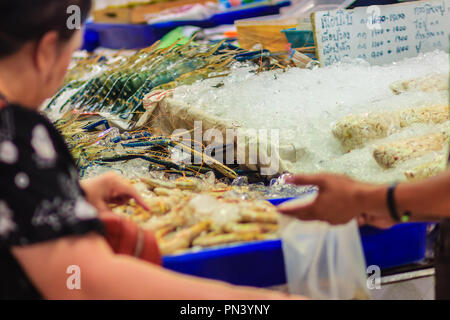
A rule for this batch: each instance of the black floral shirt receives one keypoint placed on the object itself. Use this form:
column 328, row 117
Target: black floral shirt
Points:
column 40, row 195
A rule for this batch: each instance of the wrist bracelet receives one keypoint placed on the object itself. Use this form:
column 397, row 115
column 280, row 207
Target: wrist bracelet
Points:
column 391, row 203
column 392, row 206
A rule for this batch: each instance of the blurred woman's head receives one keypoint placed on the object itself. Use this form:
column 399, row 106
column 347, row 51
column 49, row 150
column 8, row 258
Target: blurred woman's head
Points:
column 37, row 40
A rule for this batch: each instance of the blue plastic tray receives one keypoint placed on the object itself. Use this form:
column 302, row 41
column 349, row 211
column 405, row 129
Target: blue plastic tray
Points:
column 258, row 264
column 129, row 36
column 261, row 264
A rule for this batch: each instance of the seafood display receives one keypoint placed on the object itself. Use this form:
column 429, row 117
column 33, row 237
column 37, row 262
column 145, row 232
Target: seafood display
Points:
column 389, row 155
column 119, row 89
column 91, row 146
column 427, row 169
column 111, row 106
column 101, row 113
column 429, row 83
column 331, row 118
column 86, row 66
column 187, row 213
column 355, row 130
column 191, row 209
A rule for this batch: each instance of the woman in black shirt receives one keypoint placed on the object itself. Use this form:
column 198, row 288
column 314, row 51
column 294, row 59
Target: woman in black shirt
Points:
column 51, row 238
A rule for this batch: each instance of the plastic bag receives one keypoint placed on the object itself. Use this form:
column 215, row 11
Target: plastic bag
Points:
column 324, row 261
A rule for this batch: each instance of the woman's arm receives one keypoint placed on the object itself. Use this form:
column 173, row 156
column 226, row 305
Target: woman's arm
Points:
column 341, row 199
column 105, row 275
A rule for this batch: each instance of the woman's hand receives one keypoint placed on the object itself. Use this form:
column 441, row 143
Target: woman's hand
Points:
column 110, row 188
column 339, row 200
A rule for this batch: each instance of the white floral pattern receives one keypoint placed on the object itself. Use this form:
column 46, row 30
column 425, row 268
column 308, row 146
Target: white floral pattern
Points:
column 43, row 146
column 83, row 210
column 8, row 152
column 49, row 213
column 22, row 180
column 60, row 212
column 7, row 224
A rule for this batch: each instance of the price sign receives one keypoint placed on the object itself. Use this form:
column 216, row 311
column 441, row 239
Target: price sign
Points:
column 382, row 34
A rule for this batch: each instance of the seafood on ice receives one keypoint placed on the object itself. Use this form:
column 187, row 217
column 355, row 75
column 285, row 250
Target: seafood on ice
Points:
column 429, row 83
column 389, row 155
column 428, row 169
column 355, row 130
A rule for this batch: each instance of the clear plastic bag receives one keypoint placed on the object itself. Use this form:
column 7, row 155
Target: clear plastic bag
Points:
column 324, row 261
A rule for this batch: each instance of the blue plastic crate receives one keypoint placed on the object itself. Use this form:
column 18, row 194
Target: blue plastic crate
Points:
column 261, row 264
column 132, row 36
column 120, row 36
column 400, row 245
column 229, row 17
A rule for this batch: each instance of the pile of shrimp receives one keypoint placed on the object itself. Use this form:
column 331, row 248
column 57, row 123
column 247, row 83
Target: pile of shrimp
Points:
column 189, row 213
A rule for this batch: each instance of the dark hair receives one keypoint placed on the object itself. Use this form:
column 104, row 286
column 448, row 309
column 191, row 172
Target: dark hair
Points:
column 22, row 21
